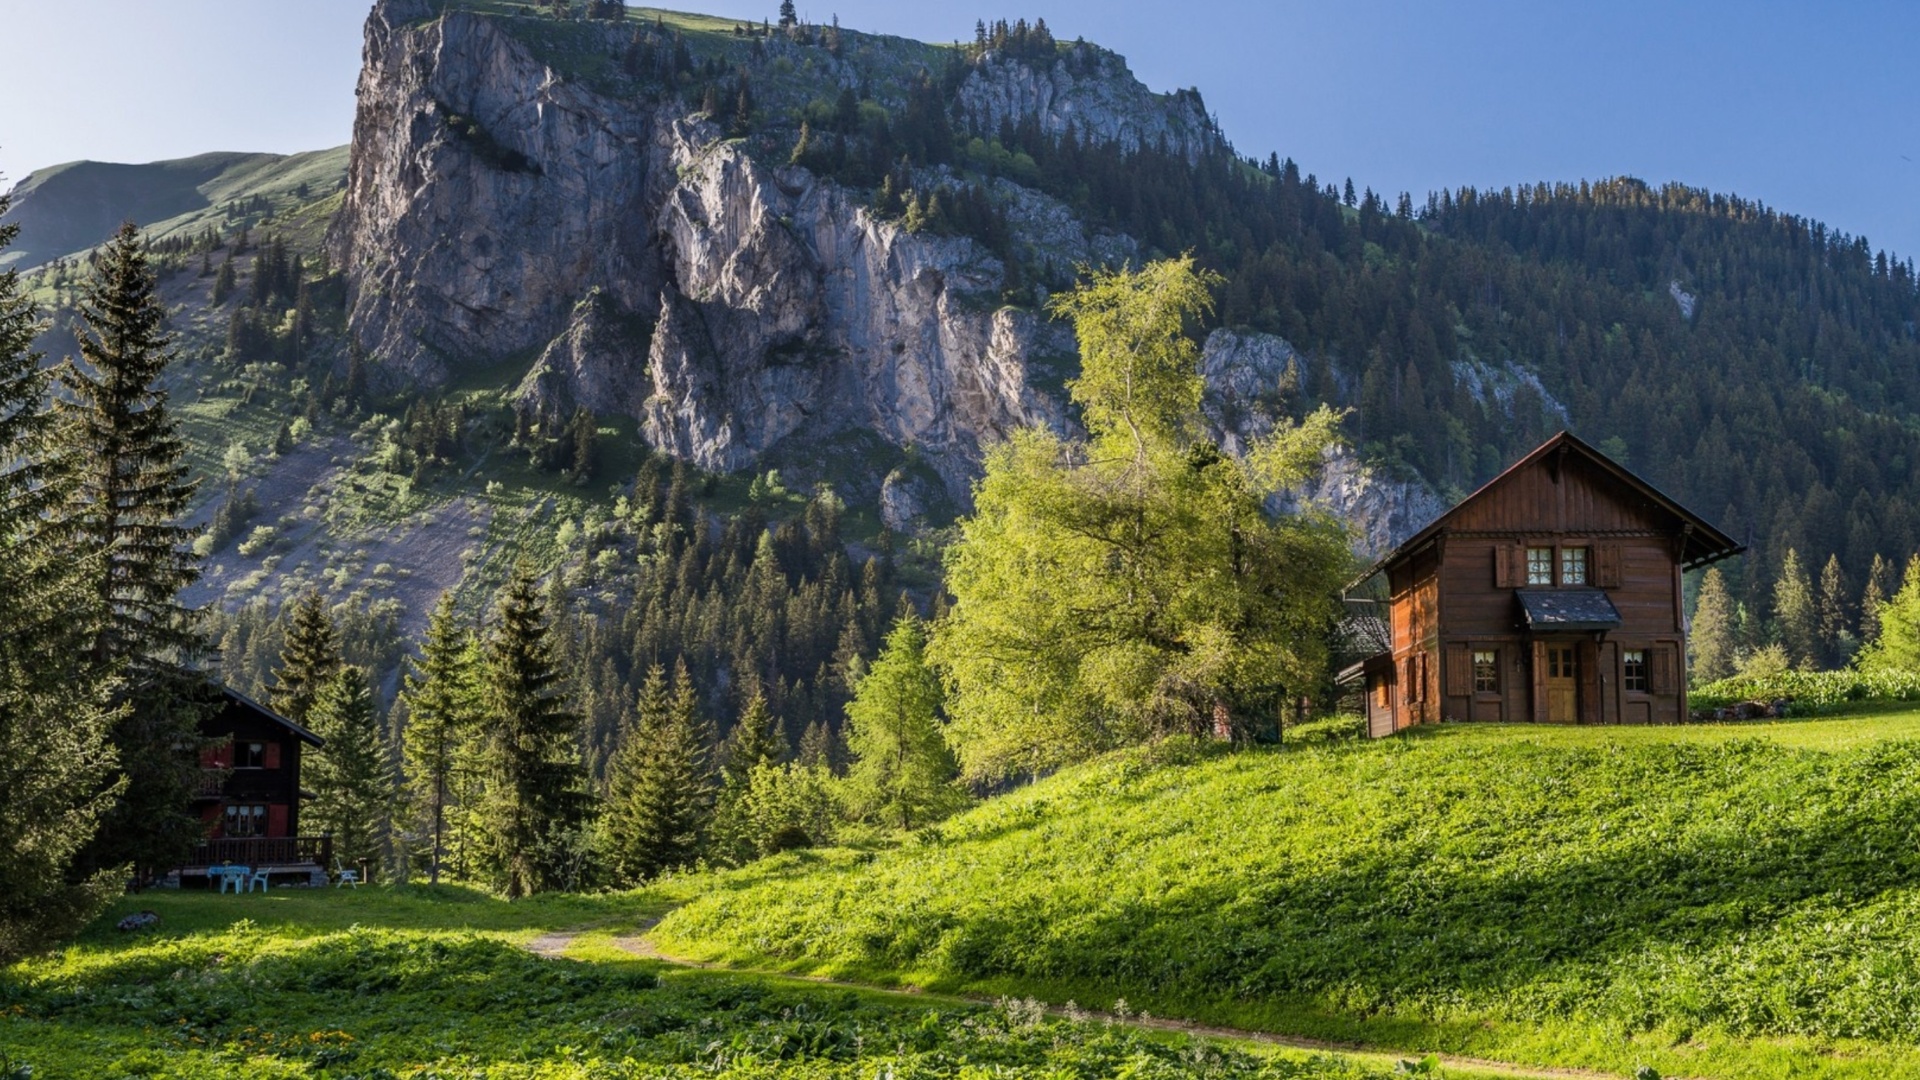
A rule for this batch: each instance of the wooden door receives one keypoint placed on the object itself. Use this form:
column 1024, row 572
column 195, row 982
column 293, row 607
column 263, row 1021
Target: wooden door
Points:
column 1563, row 684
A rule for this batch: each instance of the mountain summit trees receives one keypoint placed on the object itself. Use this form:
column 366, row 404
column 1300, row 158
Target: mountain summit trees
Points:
column 1134, row 585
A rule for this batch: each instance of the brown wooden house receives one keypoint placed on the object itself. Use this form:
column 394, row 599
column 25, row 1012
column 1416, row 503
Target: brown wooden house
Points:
column 1551, row 595
column 250, row 794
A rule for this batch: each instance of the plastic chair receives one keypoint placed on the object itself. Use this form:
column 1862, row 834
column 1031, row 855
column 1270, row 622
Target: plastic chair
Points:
column 235, row 876
column 347, row 877
column 259, row 877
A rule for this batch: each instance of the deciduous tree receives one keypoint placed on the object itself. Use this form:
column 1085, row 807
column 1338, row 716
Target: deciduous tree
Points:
column 902, row 773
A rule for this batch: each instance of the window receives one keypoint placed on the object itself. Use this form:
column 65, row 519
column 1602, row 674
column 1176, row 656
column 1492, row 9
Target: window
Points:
column 1539, row 566
column 1486, row 672
column 1635, row 663
column 249, row 755
column 248, row 820
column 1573, row 566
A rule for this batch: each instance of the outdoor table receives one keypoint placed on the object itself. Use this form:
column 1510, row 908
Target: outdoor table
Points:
column 235, row 876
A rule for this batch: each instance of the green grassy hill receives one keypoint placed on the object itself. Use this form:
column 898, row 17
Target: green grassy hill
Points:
column 69, row 208
column 1712, row 901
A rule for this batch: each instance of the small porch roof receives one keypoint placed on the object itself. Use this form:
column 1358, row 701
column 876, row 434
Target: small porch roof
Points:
column 1567, row 609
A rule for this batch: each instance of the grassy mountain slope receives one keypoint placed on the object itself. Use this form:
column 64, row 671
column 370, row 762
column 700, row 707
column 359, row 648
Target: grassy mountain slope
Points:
column 67, row 209
column 1712, row 900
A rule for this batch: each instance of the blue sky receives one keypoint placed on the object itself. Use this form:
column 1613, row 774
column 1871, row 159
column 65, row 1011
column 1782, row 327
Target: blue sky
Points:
column 1811, row 108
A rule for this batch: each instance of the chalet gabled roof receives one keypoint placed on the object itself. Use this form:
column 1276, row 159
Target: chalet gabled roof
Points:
column 1704, row 544
column 245, row 702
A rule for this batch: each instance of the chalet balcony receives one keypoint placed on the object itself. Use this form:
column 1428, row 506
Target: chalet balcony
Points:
column 261, row 851
column 213, row 784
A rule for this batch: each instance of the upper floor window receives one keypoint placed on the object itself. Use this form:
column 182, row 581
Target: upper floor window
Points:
column 1486, row 672
column 1634, row 675
column 1573, row 566
column 249, row 755
column 248, row 820
column 1539, row 566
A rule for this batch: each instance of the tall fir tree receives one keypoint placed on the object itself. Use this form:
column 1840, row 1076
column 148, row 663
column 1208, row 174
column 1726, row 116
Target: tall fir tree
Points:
column 352, row 775
column 660, row 783
column 443, row 716
column 310, row 659
column 902, row 773
column 1836, row 625
column 1897, row 647
column 57, row 765
column 1872, row 597
column 756, row 740
column 126, row 496
column 1712, row 639
column 536, row 800
column 1795, row 612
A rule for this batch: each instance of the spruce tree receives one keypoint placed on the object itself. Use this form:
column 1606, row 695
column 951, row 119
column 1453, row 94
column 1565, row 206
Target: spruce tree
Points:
column 57, row 765
column 442, row 718
column 755, row 741
column 902, row 772
column 660, row 785
column 1712, row 636
column 125, row 495
column 1795, row 612
column 1836, row 633
column 1897, row 648
column 351, row 776
column 536, row 798
column 1872, row 597
column 309, row 660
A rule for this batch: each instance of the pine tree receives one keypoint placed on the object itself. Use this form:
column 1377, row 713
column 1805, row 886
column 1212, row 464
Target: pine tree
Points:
column 755, row 741
column 442, row 717
column 536, row 797
column 351, row 776
column 660, row 783
column 125, row 495
column 818, row 747
column 1836, row 636
column 1712, row 635
column 585, row 436
column 1796, row 613
column 1872, row 597
column 309, row 660
column 1897, row 648
column 902, row 772
column 57, row 764
column 788, row 16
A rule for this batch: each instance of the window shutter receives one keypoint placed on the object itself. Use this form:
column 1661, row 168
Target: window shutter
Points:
column 1606, row 570
column 1539, row 677
column 1503, row 567
column 1664, row 680
column 1459, row 671
column 1589, row 682
column 270, row 759
column 277, row 820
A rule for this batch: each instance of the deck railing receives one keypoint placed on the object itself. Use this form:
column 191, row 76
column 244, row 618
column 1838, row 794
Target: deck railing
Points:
column 259, row 851
column 213, row 783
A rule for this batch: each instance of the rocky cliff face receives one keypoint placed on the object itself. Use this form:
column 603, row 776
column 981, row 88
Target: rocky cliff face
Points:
column 1090, row 92
column 733, row 305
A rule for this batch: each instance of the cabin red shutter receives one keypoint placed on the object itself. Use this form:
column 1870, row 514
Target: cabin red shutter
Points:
column 1503, row 567
column 1664, row 680
column 271, row 759
column 277, row 819
column 1539, row 677
column 1606, row 568
column 1589, row 682
column 1459, row 668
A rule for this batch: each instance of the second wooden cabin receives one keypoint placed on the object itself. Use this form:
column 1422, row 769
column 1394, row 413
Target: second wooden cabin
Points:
column 1551, row 595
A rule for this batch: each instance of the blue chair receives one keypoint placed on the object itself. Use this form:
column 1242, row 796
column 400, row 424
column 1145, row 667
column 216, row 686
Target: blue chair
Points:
column 235, row 876
column 347, row 877
column 259, row 877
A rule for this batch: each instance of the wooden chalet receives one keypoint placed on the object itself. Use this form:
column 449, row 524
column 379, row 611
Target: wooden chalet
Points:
column 1552, row 595
column 250, row 793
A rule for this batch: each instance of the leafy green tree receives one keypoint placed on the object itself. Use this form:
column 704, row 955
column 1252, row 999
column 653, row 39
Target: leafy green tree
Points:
column 756, row 739
column 1796, row 613
column 1711, row 641
column 536, row 785
column 1188, row 604
column 902, row 772
column 310, row 659
column 57, row 764
column 660, row 784
column 1897, row 648
column 443, row 711
column 125, row 495
column 352, row 775
column 789, row 806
